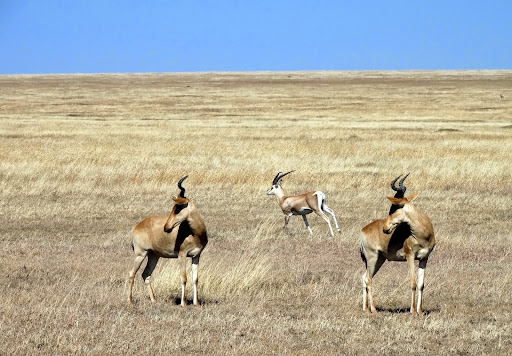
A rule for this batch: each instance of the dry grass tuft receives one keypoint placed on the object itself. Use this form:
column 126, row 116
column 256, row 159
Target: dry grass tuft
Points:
column 243, row 273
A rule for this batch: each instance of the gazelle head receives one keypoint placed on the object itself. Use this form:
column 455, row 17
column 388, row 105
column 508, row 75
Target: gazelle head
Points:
column 404, row 207
column 277, row 182
column 180, row 211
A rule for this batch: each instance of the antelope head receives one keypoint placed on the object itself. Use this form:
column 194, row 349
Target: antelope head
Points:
column 401, row 215
column 180, row 210
column 277, row 182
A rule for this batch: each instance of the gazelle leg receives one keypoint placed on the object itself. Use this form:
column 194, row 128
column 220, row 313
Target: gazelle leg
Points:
column 136, row 265
column 421, row 275
column 146, row 274
column 331, row 212
column 323, row 216
column 195, row 265
column 412, row 274
column 318, row 209
column 307, row 224
column 286, row 219
column 182, row 261
column 373, row 264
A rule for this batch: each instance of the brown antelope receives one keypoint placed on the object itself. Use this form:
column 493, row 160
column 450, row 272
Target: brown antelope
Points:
column 301, row 204
column 405, row 235
column 180, row 235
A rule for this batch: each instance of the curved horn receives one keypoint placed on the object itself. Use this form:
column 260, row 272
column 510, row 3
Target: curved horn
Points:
column 282, row 175
column 276, row 178
column 393, row 183
column 182, row 192
column 400, row 191
column 401, row 183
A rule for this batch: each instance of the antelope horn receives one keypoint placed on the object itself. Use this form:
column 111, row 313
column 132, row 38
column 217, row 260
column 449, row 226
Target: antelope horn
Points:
column 401, row 183
column 393, row 183
column 276, row 178
column 282, row 175
column 182, row 192
column 400, row 191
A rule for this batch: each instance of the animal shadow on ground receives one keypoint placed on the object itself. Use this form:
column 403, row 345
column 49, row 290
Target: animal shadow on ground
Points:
column 177, row 301
column 404, row 310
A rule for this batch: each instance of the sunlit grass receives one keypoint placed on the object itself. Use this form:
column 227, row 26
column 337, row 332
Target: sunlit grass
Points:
column 86, row 157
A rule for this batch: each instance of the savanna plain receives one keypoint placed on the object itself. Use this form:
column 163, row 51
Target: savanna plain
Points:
column 84, row 158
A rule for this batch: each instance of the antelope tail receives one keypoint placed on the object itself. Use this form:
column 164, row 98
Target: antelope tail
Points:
column 321, row 199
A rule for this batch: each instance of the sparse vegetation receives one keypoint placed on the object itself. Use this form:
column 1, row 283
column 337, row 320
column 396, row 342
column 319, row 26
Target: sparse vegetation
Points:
column 86, row 157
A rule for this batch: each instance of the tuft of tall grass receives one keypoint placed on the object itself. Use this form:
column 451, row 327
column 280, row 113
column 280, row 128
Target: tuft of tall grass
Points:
column 244, row 271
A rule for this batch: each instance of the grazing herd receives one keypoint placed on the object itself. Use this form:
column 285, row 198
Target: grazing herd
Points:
column 405, row 235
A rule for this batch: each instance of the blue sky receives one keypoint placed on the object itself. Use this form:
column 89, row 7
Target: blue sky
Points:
column 94, row 36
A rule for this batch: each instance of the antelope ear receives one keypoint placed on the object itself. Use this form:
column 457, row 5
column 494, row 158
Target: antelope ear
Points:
column 412, row 197
column 280, row 182
column 396, row 201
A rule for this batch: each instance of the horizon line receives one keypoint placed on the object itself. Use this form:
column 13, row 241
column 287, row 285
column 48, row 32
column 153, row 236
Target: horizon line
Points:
column 264, row 71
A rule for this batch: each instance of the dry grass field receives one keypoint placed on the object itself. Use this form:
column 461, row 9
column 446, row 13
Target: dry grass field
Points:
column 86, row 157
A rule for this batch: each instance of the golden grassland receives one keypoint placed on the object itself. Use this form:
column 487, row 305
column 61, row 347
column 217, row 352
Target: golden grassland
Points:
column 86, row 157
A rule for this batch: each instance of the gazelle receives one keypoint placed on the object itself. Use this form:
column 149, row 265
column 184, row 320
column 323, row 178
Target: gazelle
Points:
column 405, row 235
column 301, row 204
column 180, row 235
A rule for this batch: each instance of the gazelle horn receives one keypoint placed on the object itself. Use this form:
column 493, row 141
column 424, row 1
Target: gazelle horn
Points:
column 278, row 177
